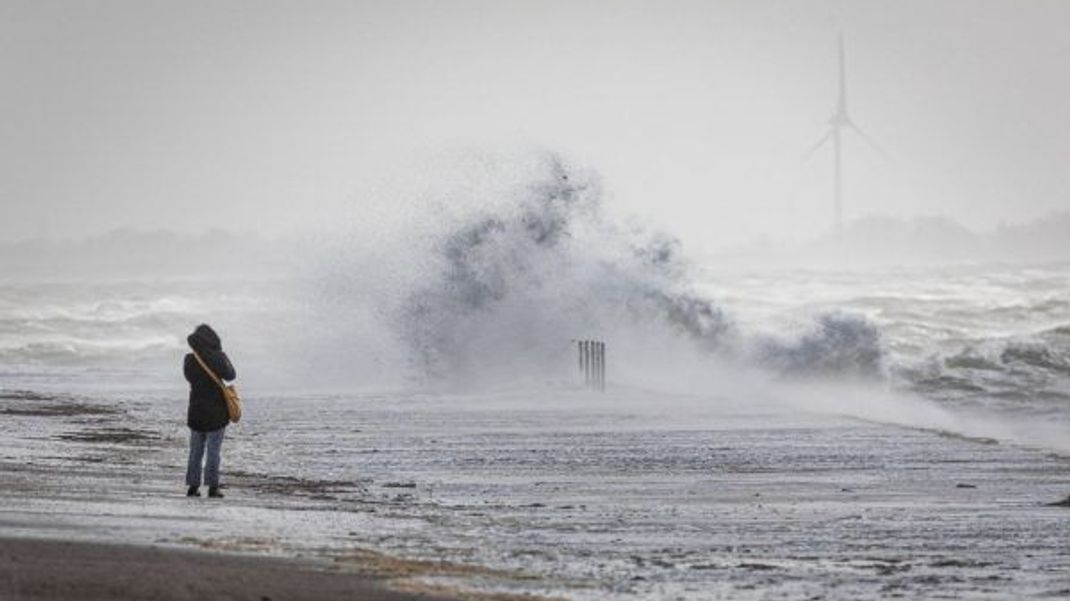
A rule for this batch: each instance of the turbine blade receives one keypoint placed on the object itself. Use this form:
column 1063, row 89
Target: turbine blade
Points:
column 809, row 153
column 869, row 141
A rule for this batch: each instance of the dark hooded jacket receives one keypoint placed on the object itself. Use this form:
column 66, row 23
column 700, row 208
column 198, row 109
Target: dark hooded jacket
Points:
column 207, row 407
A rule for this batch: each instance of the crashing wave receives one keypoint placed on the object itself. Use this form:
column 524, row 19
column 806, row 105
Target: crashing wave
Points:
column 1016, row 368
column 516, row 283
column 839, row 343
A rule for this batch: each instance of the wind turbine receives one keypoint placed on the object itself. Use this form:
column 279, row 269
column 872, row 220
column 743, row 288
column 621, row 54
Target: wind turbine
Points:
column 837, row 123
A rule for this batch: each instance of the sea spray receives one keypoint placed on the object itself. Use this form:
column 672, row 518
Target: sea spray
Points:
column 515, row 271
column 506, row 286
column 484, row 275
column 516, row 284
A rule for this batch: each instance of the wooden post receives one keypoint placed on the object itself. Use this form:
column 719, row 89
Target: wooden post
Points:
column 594, row 363
column 591, row 356
column 602, row 366
column 598, row 374
column 586, row 346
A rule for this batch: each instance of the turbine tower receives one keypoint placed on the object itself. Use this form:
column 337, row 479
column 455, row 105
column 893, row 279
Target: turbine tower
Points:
column 837, row 123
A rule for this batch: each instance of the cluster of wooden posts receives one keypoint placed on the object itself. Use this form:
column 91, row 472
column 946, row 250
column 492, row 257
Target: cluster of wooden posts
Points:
column 593, row 363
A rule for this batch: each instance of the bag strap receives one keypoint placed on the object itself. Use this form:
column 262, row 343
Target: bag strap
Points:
column 211, row 373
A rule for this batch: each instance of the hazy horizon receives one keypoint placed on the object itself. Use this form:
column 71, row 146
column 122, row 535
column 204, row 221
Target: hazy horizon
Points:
column 286, row 117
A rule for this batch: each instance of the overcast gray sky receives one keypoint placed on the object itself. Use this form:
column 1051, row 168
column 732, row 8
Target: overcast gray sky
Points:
column 275, row 115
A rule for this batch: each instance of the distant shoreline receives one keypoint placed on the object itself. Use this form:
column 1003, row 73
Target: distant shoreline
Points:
column 871, row 241
column 932, row 241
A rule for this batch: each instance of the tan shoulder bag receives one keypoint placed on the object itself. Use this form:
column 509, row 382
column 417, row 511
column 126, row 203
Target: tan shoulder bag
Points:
column 230, row 393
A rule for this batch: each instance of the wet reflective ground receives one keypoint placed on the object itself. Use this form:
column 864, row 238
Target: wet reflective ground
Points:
column 560, row 493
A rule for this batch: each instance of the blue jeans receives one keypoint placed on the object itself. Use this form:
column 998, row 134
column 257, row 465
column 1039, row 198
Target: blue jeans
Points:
column 197, row 442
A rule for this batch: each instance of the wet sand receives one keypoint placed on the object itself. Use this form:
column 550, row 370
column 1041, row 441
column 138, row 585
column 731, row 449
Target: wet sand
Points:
column 562, row 496
column 44, row 570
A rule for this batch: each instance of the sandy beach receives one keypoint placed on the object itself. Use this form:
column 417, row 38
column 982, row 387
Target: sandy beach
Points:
column 494, row 497
column 105, row 522
column 42, row 570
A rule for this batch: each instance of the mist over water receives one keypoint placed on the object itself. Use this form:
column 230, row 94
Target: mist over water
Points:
column 481, row 275
column 500, row 289
column 488, row 283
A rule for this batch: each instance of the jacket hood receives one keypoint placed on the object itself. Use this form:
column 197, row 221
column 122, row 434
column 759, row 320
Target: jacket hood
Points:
column 204, row 338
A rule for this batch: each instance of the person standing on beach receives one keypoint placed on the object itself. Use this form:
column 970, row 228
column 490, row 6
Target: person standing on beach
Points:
column 207, row 417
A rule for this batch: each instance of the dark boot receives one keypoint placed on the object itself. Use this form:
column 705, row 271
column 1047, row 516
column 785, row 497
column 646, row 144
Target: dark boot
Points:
column 194, row 491
column 213, row 492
